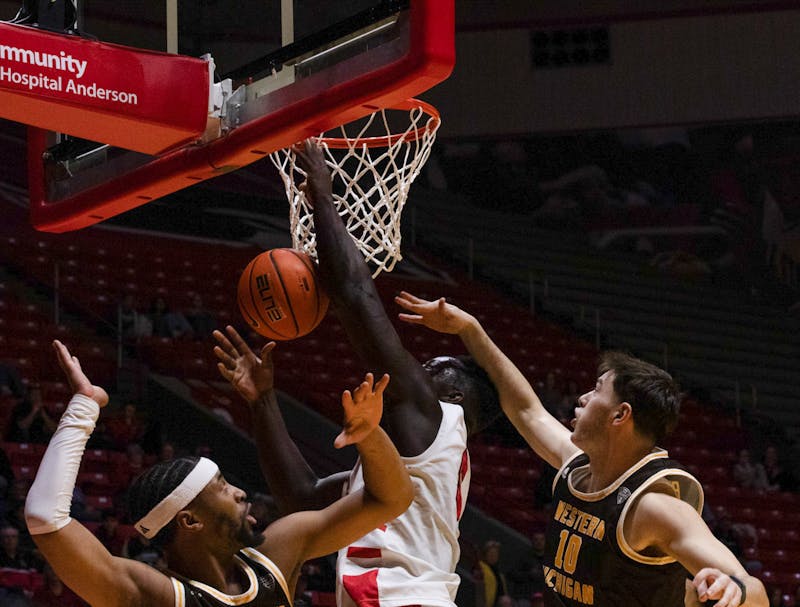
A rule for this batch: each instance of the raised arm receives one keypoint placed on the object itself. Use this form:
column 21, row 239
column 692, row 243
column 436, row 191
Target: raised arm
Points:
column 386, row 494
column 543, row 432
column 413, row 414
column 662, row 522
column 75, row 554
column 293, row 483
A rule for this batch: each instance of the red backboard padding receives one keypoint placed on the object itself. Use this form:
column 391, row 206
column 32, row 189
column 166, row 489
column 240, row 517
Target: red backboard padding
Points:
column 313, row 108
column 130, row 98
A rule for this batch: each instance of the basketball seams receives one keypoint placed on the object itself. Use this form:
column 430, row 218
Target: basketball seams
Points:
column 290, row 294
column 306, row 261
column 288, row 299
column 256, row 307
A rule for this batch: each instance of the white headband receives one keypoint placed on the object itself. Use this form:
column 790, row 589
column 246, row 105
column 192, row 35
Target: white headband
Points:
column 163, row 512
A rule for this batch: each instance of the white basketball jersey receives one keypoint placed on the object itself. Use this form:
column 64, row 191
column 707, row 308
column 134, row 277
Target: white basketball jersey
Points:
column 412, row 559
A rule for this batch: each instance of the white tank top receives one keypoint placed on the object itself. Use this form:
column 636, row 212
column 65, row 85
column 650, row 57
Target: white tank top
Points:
column 412, row 559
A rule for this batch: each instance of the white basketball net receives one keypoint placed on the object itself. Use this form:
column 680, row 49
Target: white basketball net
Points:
column 376, row 174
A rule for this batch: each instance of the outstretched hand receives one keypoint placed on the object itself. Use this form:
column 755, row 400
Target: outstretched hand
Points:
column 437, row 315
column 362, row 410
column 311, row 159
column 76, row 378
column 252, row 376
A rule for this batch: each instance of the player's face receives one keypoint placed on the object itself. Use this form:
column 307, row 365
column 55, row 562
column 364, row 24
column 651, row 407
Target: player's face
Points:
column 230, row 516
column 595, row 411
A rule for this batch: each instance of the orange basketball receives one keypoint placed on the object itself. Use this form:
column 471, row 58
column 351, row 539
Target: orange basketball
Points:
column 279, row 295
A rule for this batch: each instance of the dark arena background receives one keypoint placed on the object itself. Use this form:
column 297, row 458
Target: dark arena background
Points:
column 608, row 175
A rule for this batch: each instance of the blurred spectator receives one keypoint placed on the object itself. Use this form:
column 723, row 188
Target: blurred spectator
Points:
column 133, row 322
column 11, row 382
column 201, row 320
column 775, row 597
column 494, row 580
column 166, row 322
column 30, row 422
column 529, row 575
column 11, row 554
column 135, row 464
column 263, row 509
column 726, row 534
column 748, row 474
column 550, row 393
column 126, row 428
column 167, row 452
column 6, row 478
column 537, row 599
column 54, row 593
column 14, row 514
column 109, row 533
column 778, row 477
column 139, row 548
column 80, row 510
column 320, row 575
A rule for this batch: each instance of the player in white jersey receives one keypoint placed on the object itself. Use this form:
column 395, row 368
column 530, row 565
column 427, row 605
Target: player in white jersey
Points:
column 430, row 409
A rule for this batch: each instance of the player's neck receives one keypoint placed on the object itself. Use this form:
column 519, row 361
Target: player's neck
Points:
column 611, row 461
column 201, row 565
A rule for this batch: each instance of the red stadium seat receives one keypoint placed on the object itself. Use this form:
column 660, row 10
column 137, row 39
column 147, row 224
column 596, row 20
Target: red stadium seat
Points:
column 24, row 454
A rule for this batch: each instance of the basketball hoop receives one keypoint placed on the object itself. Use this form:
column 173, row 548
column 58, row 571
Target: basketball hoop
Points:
column 373, row 163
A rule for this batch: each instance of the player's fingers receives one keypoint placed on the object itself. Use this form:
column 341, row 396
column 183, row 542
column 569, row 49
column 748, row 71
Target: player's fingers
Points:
column 225, row 372
column 414, row 319
column 382, row 383
column 717, row 589
column 347, row 400
column 237, row 340
column 731, row 597
column 62, row 355
column 704, row 578
column 404, row 303
column 224, row 357
column 412, row 298
column 441, row 304
column 224, row 343
column 342, row 440
column 369, row 379
column 266, row 351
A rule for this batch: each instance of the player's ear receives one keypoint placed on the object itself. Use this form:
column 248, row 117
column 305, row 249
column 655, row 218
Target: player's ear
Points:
column 624, row 413
column 186, row 519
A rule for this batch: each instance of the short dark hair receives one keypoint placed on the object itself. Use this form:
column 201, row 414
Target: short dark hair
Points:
column 152, row 486
column 652, row 393
column 488, row 400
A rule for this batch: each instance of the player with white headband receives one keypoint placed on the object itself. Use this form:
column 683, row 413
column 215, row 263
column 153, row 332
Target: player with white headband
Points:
column 214, row 556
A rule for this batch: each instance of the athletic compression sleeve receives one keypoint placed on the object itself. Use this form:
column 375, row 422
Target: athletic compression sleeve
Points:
column 50, row 496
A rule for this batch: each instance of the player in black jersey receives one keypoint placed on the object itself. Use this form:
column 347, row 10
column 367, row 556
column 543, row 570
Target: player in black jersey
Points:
column 203, row 523
column 626, row 526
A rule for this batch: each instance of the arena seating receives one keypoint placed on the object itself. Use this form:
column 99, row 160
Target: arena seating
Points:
column 317, row 368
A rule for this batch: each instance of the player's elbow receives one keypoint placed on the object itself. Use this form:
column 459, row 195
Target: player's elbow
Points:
column 395, row 502
column 40, row 518
column 404, row 496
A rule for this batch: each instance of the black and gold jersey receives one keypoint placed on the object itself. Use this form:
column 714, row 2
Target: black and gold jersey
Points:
column 267, row 586
column 587, row 559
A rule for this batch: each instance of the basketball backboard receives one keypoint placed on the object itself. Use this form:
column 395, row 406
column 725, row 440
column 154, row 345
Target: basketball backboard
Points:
column 296, row 68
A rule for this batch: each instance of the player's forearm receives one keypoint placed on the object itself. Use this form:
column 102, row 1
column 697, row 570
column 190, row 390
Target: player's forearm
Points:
column 291, row 480
column 341, row 263
column 50, row 497
column 386, row 478
column 515, row 392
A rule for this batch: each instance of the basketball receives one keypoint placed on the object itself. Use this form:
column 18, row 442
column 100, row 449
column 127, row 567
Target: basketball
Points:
column 279, row 295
